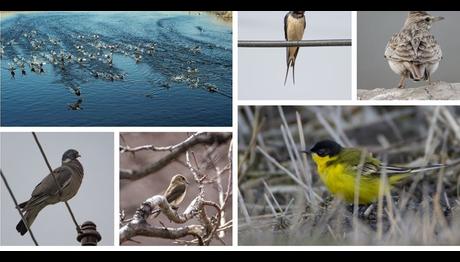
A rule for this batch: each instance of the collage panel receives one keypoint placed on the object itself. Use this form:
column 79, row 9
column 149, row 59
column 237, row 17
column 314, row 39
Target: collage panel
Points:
column 408, row 55
column 348, row 175
column 176, row 189
column 316, row 65
column 155, row 68
column 82, row 165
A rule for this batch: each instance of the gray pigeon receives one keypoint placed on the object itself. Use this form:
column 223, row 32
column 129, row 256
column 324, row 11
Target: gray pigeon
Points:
column 69, row 176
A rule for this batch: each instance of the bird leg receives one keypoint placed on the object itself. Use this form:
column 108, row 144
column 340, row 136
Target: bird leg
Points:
column 402, row 82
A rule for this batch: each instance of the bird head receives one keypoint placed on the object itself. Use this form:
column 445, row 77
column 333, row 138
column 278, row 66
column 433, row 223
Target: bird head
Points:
column 325, row 148
column 298, row 14
column 421, row 19
column 179, row 179
column 70, row 155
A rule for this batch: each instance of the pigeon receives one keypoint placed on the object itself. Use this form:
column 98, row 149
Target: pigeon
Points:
column 69, row 177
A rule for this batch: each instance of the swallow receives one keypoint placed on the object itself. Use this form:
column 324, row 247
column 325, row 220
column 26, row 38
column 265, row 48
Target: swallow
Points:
column 294, row 27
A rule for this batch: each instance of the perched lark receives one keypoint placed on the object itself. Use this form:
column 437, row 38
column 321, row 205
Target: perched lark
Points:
column 413, row 52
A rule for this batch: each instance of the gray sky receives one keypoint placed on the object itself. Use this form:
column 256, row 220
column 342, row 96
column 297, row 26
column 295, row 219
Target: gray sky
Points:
column 375, row 28
column 321, row 72
column 24, row 168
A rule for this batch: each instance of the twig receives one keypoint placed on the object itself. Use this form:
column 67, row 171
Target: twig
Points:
column 126, row 148
column 242, row 207
column 17, row 207
column 210, row 138
column 218, row 219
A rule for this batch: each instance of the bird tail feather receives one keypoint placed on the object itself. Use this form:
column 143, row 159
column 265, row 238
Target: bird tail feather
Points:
column 287, row 72
column 29, row 217
column 293, row 72
column 290, row 63
column 395, row 170
column 417, row 72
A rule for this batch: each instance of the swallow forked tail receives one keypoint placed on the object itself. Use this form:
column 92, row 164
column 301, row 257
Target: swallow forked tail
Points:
column 290, row 63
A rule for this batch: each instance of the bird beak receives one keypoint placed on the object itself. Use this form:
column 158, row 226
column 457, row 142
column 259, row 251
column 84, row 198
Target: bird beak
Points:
column 306, row 152
column 78, row 155
column 437, row 18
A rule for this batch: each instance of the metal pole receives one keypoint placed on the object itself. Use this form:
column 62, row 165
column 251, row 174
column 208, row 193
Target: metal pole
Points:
column 302, row 43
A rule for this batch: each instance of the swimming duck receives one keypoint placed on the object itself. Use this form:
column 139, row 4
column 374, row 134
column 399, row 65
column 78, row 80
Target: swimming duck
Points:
column 211, row 88
column 76, row 105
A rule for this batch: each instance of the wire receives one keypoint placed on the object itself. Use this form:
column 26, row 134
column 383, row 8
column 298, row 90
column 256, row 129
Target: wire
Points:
column 302, row 43
column 18, row 208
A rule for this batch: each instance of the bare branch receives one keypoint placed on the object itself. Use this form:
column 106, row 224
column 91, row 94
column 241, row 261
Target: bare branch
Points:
column 145, row 229
column 136, row 225
column 206, row 138
column 126, row 148
column 213, row 231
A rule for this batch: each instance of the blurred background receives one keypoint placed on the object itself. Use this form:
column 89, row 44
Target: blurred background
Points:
column 261, row 71
column 375, row 29
column 24, row 167
column 133, row 193
column 283, row 202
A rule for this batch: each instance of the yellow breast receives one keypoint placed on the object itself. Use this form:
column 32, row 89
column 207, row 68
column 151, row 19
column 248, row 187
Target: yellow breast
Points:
column 341, row 181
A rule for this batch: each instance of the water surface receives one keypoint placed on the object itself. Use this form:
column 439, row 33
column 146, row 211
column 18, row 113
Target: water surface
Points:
column 116, row 69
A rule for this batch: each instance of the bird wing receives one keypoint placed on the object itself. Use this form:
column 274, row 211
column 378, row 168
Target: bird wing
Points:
column 403, row 47
column 351, row 159
column 286, row 17
column 47, row 187
column 372, row 167
column 286, row 25
column 175, row 192
column 400, row 48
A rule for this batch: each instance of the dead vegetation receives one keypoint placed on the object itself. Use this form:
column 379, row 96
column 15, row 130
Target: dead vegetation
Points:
column 283, row 202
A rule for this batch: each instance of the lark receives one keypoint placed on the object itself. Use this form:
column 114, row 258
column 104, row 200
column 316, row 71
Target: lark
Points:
column 413, row 52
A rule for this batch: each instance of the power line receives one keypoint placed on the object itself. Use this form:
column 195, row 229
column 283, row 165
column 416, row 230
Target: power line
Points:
column 302, row 43
column 18, row 208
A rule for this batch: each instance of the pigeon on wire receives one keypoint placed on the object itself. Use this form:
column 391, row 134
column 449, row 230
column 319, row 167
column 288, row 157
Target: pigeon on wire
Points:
column 69, row 177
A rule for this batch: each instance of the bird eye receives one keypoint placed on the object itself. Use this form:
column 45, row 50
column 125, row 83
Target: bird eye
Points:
column 322, row 152
column 427, row 19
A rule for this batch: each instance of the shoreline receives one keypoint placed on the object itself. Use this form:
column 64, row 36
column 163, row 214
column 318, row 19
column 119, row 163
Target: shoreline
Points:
column 224, row 15
column 5, row 14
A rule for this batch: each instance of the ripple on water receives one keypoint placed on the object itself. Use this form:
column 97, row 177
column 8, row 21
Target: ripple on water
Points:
column 148, row 94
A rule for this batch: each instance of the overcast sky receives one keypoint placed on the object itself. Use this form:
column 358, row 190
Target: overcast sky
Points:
column 24, row 168
column 375, row 29
column 321, row 72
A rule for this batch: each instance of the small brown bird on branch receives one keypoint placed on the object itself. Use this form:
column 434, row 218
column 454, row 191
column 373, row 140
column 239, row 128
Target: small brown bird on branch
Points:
column 175, row 193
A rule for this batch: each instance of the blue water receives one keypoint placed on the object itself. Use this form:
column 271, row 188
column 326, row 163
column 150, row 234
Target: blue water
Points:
column 183, row 76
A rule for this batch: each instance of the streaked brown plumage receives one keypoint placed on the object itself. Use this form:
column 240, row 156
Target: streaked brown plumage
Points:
column 413, row 52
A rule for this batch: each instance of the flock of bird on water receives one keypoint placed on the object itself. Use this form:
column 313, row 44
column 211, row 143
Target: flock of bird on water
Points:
column 89, row 50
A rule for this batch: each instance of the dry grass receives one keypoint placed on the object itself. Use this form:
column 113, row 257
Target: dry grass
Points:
column 282, row 201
